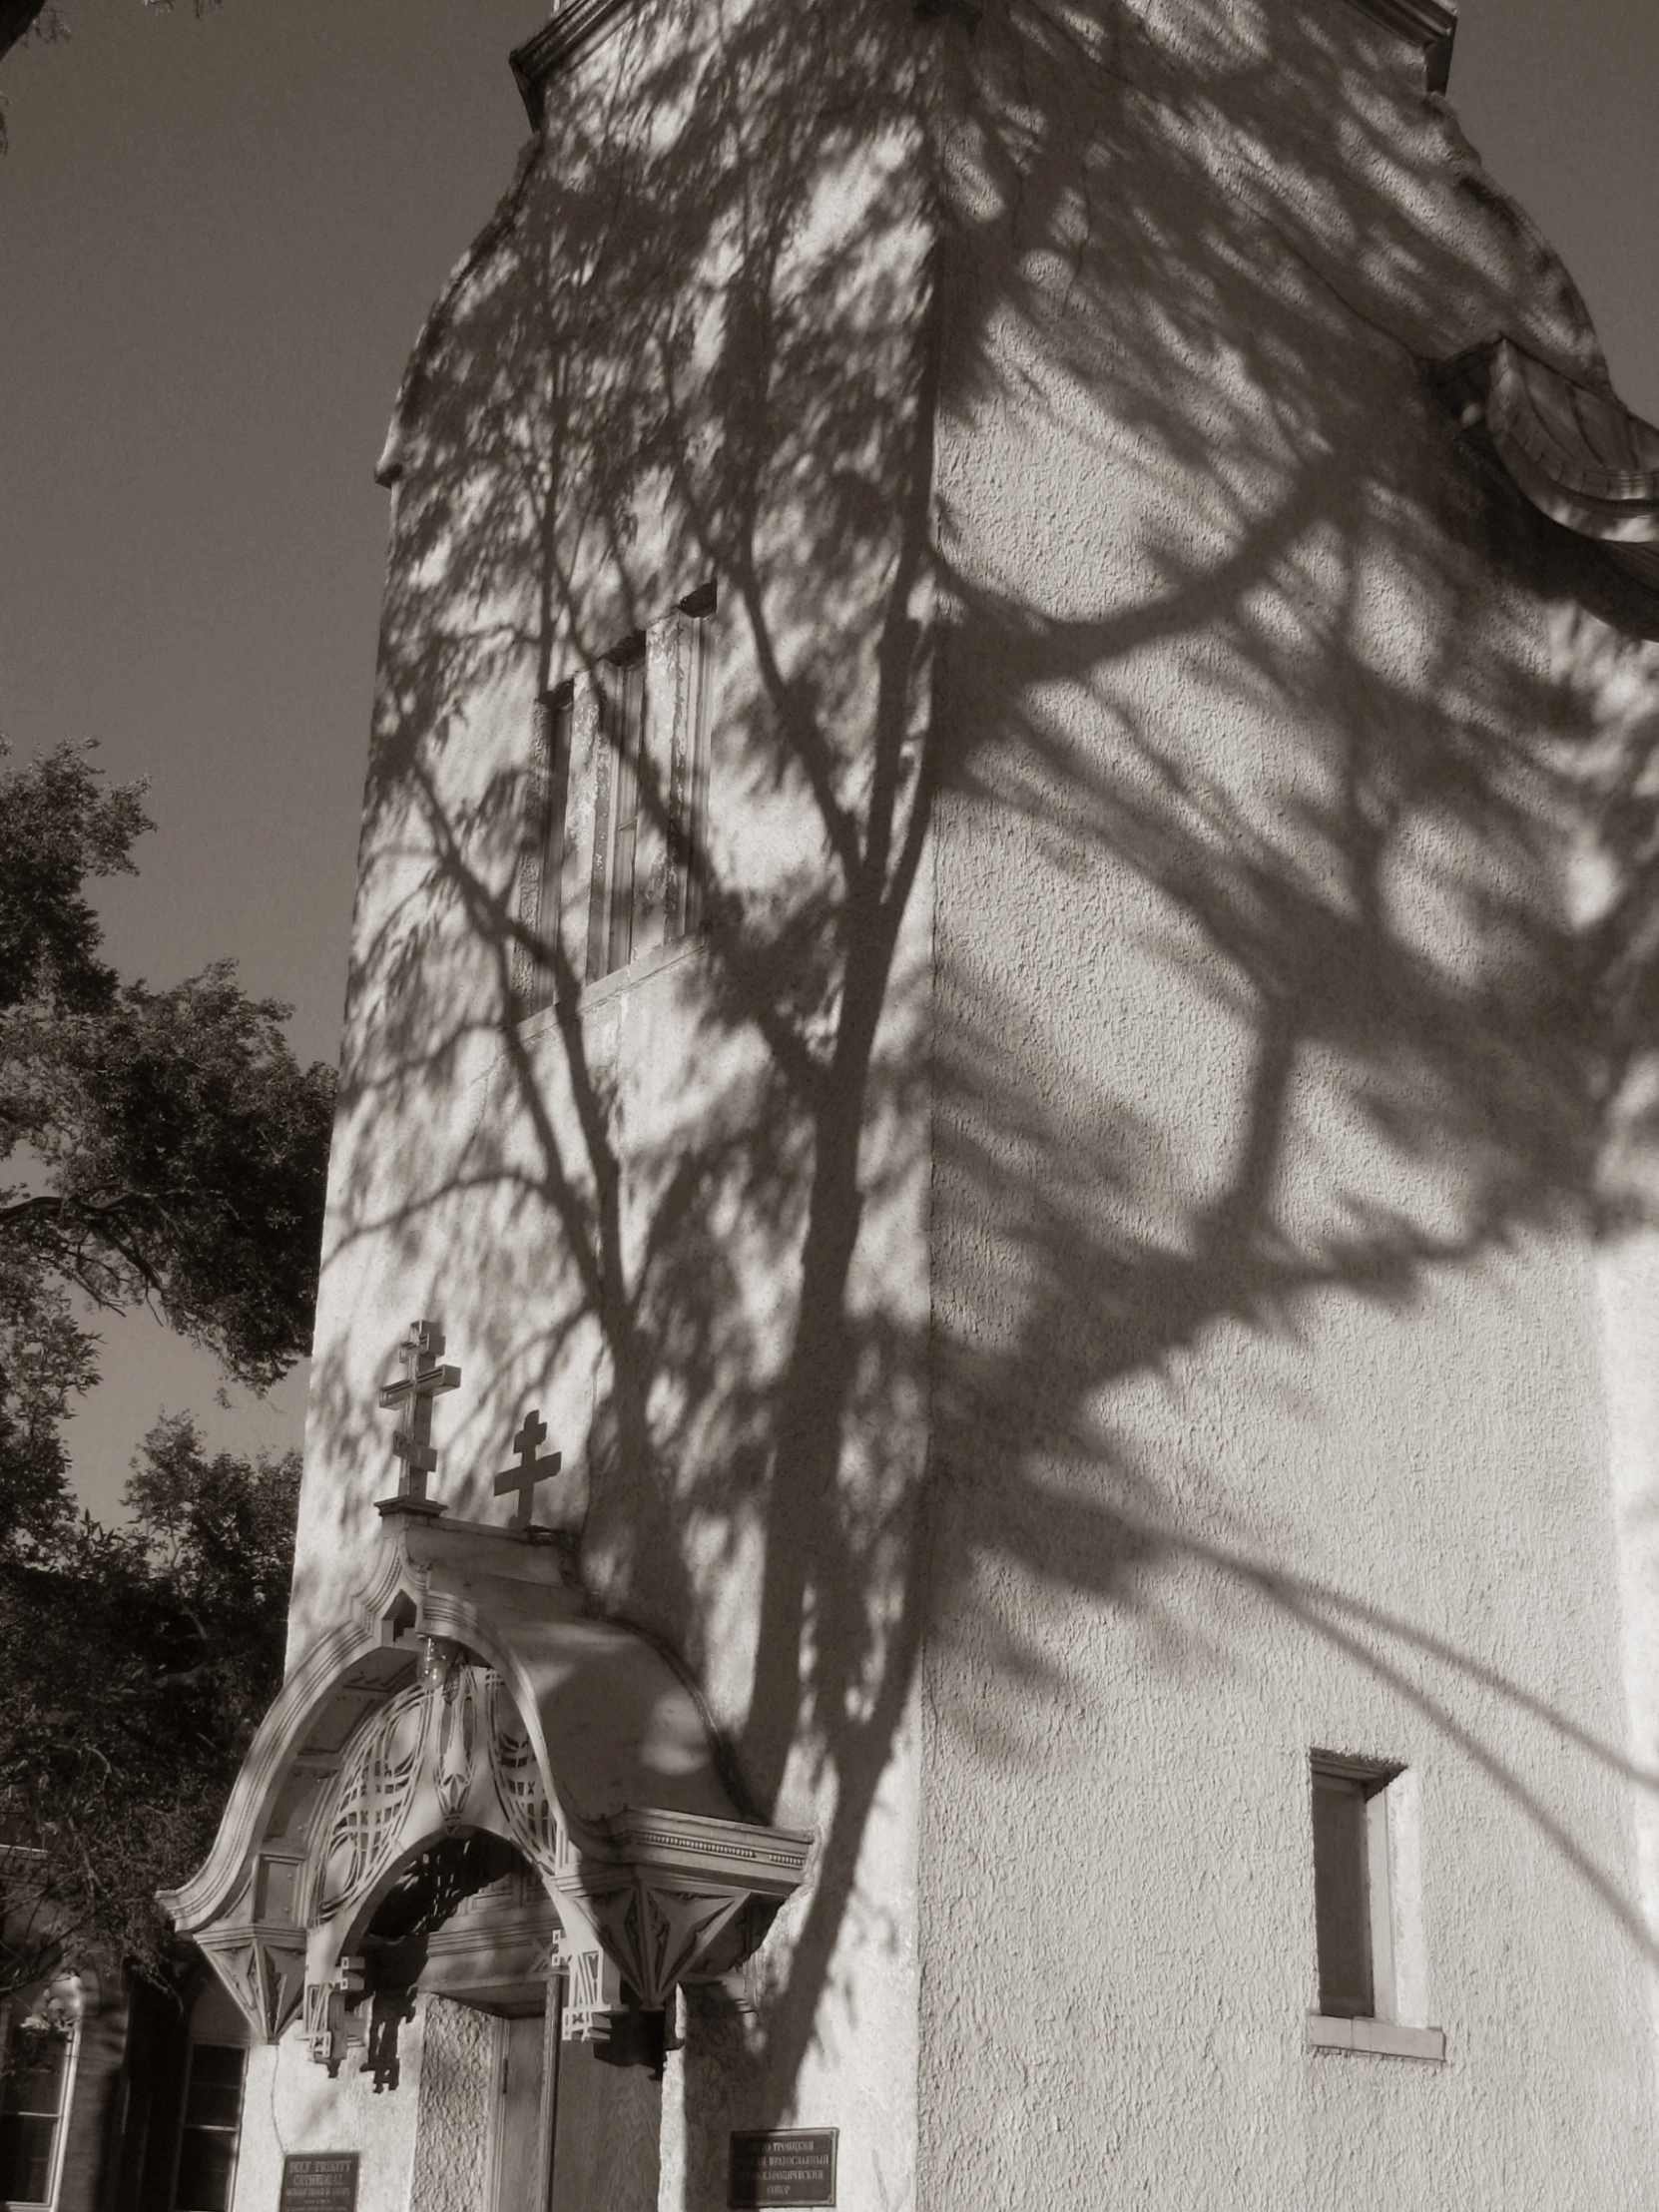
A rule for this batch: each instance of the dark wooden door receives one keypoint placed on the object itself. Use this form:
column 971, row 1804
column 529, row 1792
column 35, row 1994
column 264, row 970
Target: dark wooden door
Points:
column 520, row 2167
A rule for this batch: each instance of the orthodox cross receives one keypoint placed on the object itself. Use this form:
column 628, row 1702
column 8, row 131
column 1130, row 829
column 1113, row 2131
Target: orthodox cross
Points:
column 423, row 1379
column 530, row 1470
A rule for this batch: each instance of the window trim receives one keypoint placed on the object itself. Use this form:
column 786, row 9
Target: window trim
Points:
column 206, row 2044
column 1396, row 2025
column 1385, row 2038
column 663, row 678
column 66, row 2101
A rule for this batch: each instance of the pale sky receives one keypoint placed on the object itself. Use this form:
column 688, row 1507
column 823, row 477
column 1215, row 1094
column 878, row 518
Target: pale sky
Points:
column 218, row 237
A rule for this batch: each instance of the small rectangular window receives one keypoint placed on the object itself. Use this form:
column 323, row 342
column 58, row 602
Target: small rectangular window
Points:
column 1352, row 1907
column 212, row 2126
column 1368, row 1911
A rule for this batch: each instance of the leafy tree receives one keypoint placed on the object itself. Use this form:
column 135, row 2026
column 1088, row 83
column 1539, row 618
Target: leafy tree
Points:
column 165, row 1147
column 139, row 1661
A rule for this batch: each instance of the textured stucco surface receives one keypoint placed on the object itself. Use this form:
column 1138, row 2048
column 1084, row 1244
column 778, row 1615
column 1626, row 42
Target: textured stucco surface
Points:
column 1269, row 1388
column 453, row 2150
column 291, row 2105
column 1231, row 1357
column 608, row 1214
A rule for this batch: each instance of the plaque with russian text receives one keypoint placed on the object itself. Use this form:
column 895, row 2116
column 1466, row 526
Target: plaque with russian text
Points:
column 783, row 2166
column 319, row 2181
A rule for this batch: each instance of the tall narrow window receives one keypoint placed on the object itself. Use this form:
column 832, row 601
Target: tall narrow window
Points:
column 625, row 717
column 1353, row 1903
column 32, row 2100
column 542, row 853
column 212, row 2126
column 621, row 701
column 1368, row 1911
column 689, row 788
column 640, row 734
column 1342, row 1893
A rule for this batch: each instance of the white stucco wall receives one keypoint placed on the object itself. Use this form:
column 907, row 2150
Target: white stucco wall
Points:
column 291, row 2106
column 1269, row 1388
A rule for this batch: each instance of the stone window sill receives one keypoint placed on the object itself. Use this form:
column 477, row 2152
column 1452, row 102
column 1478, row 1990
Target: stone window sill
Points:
column 1383, row 2038
column 605, row 988
column 637, row 970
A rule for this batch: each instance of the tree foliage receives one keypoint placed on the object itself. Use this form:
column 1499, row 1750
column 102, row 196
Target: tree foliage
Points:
column 139, row 1661
column 165, row 1146
column 185, row 1154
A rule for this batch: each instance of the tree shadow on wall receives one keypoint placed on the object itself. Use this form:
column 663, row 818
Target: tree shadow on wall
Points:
column 777, row 305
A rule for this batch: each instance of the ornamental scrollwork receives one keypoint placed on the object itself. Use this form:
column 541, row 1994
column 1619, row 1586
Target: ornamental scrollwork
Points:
column 373, row 1793
column 593, row 1992
column 458, row 1739
column 531, row 1820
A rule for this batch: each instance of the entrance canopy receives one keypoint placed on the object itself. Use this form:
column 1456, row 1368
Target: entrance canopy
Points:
column 472, row 1689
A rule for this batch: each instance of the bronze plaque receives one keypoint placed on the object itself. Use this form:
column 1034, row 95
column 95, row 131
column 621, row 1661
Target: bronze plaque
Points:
column 783, row 2165
column 319, row 2181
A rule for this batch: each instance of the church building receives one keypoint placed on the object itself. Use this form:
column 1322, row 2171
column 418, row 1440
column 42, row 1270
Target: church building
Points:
column 981, row 1511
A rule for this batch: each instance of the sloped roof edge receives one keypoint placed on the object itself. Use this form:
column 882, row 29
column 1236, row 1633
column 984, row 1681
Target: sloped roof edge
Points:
column 388, row 469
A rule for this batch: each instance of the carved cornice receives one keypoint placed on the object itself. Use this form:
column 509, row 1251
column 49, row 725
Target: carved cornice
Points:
column 1577, row 454
column 262, row 1967
column 572, row 31
column 1584, row 444
column 768, row 1860
column 1415, row 19
column 503, row 1927
column 1427, row 23
column 667, row 1899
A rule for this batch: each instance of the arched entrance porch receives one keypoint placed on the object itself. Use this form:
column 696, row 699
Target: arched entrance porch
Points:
column 478, row 1785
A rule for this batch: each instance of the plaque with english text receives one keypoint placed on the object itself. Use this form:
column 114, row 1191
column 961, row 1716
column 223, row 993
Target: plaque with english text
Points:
column 319, row 2181
column 783, row 2165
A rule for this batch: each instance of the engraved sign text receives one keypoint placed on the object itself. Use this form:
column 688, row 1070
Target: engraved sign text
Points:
column 319, row 2181
column 783, row 2166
